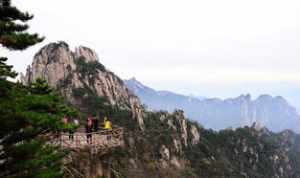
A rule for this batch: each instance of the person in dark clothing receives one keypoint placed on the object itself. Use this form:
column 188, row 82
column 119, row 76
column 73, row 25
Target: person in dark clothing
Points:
column 100, row 118
column 88, row 131
column 71, row 135
column 96, row 124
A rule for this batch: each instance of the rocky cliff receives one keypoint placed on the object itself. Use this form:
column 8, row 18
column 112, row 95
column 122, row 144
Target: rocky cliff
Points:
column 158, row 144
column 86, row 83
column 78, row 74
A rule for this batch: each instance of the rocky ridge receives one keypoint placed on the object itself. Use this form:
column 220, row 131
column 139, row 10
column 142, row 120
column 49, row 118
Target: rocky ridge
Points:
column 71, row 71
column 159, row 144
column 77, row 73
column 275, row 113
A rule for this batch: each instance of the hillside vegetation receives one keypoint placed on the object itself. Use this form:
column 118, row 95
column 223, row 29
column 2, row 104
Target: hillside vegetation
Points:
column 61, row 82
column 159, row 144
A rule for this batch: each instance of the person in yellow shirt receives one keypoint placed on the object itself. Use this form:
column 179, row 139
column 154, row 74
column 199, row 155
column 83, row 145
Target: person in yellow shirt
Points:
column 107, row 124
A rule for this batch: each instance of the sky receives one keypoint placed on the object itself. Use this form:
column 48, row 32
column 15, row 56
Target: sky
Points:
column 211, row 48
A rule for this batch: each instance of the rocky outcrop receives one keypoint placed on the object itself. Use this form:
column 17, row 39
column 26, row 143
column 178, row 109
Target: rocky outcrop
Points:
column 68, row 70
column 195, row 134
column 179, row 116
column 52, row 63
column 90, row 165
column 169, row 145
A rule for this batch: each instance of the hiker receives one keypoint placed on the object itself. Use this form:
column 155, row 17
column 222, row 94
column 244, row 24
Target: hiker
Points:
column 95, row 124
column 107, row 124
column 71, row 131
column 76, row 122
column 71, row 134
column 89, row 129
column 66, row 121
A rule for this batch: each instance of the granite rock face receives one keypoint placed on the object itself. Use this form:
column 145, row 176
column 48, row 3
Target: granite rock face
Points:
column 168, row 144
column 58, row 65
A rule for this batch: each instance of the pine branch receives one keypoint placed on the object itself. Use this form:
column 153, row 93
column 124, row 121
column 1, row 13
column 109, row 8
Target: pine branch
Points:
column 12, row 13
column 19, row 41
column 8, row 27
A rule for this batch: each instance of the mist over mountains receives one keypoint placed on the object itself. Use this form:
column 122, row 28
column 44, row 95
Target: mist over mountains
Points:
column 275, row 113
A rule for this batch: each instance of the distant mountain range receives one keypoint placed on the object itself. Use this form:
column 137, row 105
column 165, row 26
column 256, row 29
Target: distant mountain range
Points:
column 275, row 113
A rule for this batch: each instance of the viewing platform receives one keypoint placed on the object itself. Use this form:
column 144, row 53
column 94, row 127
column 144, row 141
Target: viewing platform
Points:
column 101, row 141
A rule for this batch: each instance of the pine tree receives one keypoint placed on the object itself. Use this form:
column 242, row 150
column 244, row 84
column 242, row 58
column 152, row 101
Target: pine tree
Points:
column 13, row 35
column 29, row 115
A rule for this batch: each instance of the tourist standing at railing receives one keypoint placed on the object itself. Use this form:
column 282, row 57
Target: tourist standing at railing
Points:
column 95, row 124
column 76, row 122
column 107, row 124
column 71, row 134
column 71, row 131
column 66, row 121
column 89, row 129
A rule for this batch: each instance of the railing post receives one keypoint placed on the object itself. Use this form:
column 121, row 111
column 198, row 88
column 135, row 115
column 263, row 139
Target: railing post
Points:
column 76, row 140
column 60, row 140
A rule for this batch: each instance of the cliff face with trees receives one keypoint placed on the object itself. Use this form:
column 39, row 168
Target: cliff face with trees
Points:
column 82, row 79
column 89, row 86
column 157, row 144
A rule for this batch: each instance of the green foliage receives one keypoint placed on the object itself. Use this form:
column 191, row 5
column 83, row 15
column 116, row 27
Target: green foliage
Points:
column 95, row 104
column 231, row 152
column 152, row 165
column 35, row 160
column 6, row 70
column 88, row 69
column 158, row 132
column 28, row 116
column 78, row 92
column 40, row 87
column 188, row 173
column 64, row 83
column 92, row 103
column 13, row 34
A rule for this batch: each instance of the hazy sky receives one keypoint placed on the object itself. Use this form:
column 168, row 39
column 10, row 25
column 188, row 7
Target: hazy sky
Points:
column 205, row 47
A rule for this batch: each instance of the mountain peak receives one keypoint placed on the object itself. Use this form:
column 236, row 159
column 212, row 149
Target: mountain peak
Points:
column 135, row 85
column 63, row 70
column 86, row 53
column 52, row 47
column 133, row 79
column 246, row 97
column 265, row 97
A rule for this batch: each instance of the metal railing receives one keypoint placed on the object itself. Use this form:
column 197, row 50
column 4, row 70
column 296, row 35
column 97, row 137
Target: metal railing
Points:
column 102, row 139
